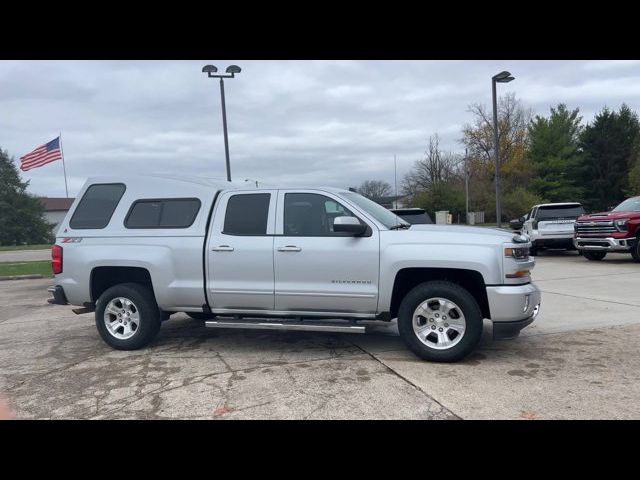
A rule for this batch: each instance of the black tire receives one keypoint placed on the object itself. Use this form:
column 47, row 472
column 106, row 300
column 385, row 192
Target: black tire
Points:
column 635, row 251
column 458, row 295
column 148, row 311
column 594, row 256
column 533, row 251
column 201, row 315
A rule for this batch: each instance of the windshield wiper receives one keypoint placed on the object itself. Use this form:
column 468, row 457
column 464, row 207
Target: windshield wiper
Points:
column 399, row 226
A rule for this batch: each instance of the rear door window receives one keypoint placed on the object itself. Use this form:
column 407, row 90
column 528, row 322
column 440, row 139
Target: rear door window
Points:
column 247, row 214
column 97, row 206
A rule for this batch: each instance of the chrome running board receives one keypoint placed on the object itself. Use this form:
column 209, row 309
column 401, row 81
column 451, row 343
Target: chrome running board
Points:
column 293, row 325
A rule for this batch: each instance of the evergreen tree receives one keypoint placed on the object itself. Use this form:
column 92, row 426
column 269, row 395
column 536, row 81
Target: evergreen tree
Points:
column 21, row 214
column 554, row 155
column 609, row 147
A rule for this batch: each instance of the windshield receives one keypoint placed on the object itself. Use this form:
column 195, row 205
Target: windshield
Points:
column 565, row 211
column 381, row 214
column 629, row 205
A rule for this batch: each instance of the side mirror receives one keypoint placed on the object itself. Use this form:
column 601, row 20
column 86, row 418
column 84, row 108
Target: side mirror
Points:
column 517, row 223
column 349, row 225
column 523, row 219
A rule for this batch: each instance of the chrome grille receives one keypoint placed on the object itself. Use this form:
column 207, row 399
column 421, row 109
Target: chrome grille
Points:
column 595, row 228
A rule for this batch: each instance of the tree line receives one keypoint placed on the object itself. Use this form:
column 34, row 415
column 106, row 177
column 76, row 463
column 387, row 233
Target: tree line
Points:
column 21, row 214
column 551, row 158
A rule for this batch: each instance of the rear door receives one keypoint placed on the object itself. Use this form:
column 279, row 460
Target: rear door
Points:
column 317, row 269
column 240, row 251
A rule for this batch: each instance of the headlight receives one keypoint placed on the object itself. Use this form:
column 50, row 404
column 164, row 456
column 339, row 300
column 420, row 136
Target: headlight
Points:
column 621, row 225
column 521, row 253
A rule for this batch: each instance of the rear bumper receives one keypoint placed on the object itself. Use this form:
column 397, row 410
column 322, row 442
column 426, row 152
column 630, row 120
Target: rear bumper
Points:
column 59, row 298
column 566, row 242
column 552, row 240
column 606, row 244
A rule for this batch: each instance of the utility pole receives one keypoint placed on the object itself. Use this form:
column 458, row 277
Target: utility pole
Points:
column 466, row 184
column 395, row 176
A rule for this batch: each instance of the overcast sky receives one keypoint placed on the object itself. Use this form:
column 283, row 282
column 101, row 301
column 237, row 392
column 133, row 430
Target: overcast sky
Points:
column 290, row 122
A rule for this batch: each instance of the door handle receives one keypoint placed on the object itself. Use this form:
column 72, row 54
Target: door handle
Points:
column 222, row 248
column 290, row 248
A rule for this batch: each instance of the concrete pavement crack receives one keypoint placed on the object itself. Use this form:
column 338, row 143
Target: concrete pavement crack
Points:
column 405, row 379
column 584, row 276
column 590, row 298
column 196, row 379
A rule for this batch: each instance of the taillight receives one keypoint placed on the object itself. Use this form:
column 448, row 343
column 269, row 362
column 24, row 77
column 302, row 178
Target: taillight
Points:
column 56, row 259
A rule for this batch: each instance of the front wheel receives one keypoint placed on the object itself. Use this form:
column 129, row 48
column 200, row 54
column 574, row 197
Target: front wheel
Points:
column 127, row 316
column 594, row 256
column 440, row 321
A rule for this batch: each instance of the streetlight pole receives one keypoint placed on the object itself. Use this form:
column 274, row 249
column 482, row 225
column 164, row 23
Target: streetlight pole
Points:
column 211, row 70
column 502, row 77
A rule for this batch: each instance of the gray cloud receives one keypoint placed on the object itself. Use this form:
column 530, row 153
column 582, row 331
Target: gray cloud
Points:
column 291, row 122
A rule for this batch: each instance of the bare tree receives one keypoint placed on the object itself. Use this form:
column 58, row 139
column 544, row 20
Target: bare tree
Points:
column 435, row 168
column 513, row 136
column 375, row 189
column 513, row 120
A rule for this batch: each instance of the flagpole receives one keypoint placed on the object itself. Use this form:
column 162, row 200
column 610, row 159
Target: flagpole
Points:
column 64, row 167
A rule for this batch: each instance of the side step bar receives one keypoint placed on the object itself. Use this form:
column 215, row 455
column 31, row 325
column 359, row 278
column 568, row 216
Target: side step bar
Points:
column 297, row 325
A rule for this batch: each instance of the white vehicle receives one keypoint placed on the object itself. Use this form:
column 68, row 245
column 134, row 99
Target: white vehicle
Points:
column 551, row 225
column 135, row 250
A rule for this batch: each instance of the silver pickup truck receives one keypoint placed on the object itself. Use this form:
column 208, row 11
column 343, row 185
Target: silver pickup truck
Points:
column 137, row 250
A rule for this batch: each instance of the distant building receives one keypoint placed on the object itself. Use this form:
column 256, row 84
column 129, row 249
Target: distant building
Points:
column 55, row 210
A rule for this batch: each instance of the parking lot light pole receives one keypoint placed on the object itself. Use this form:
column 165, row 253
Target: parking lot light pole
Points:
column 502, row 77
column 231, row 71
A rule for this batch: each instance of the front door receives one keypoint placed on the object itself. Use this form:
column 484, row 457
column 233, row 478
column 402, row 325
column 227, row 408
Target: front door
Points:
column 240, row 251
column 317, row 269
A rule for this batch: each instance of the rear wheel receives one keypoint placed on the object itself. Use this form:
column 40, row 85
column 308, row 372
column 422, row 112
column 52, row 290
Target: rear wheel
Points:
column 594, row 256
column 127, row 316
column 440, row 321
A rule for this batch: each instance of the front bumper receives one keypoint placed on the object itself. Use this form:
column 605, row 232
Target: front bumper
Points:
column 512, row 308
column 607, row 244
column 59, row 298
column 506, row 330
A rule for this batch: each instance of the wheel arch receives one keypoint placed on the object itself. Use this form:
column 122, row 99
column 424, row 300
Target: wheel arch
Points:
column 408, row 278
column 105, row 277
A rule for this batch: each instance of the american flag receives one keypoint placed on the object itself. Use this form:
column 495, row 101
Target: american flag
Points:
column 47, row 153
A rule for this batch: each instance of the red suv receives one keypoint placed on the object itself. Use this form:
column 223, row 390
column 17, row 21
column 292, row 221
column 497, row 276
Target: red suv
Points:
column 614, row 231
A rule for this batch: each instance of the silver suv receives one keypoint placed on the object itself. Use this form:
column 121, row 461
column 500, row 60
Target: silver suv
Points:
column 551, row 225
column 138, row 249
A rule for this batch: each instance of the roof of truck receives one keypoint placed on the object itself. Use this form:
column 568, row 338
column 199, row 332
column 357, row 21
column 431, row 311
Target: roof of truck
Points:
column 561, row 204
column 203, row 181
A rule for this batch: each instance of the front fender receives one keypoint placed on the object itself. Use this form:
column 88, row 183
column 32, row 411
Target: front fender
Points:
column 484, row 259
